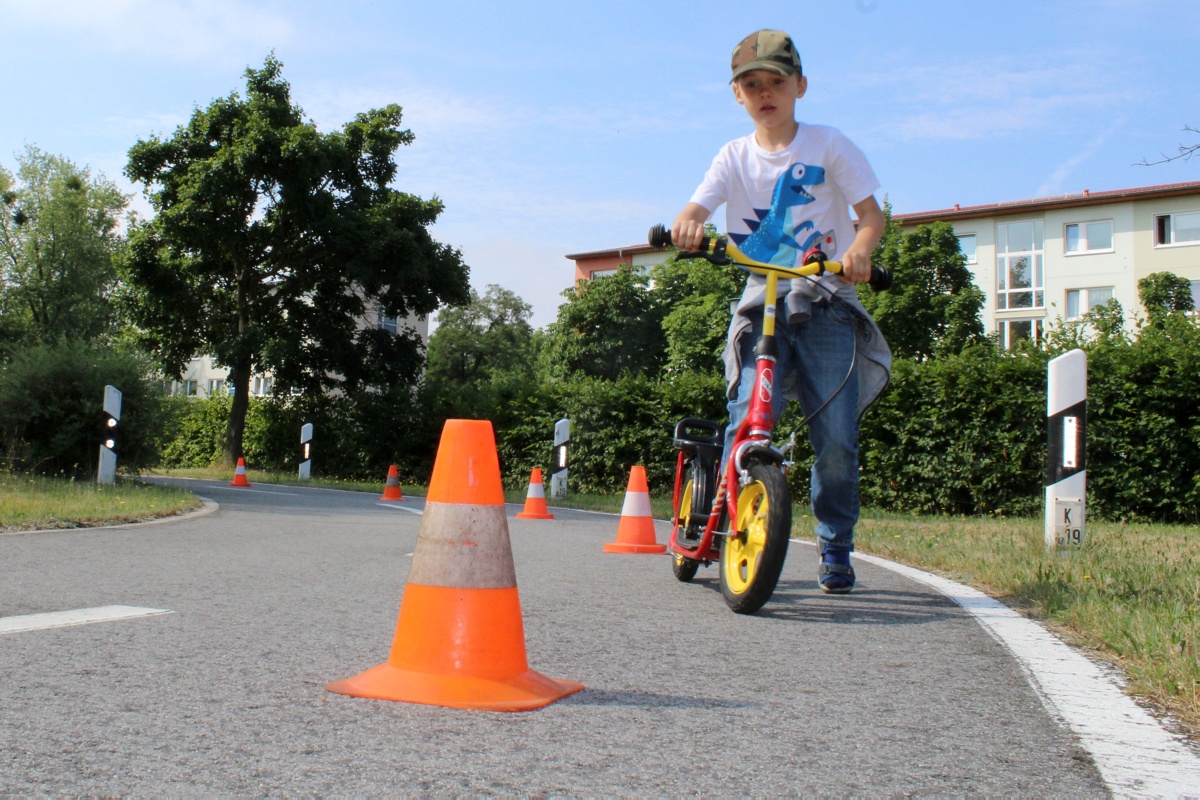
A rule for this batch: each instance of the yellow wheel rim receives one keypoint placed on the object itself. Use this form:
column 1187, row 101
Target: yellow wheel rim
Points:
column 684, row 517
column 744, row 547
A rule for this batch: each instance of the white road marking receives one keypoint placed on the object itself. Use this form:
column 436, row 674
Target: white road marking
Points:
column 78, row 616
column 1136, row 756
column 416, row 511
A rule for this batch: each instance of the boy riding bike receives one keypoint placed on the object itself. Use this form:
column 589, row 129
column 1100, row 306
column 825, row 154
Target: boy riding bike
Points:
column 787, row 188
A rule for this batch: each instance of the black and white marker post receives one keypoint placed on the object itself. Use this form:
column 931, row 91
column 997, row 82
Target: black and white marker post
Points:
column 1066, row 465
column 558, row 469
column 107, row 471
column 306, row 435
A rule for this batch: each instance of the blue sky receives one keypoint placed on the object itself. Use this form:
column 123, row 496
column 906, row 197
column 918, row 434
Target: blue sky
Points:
column 550, row 128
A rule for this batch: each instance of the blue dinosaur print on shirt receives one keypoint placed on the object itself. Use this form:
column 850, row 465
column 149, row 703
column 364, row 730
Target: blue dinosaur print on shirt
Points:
column 773, row 235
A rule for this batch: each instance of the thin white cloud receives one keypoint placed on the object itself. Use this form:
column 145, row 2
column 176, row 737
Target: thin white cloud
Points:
column 993, row 98
column 1054, row 184
column 185, row 30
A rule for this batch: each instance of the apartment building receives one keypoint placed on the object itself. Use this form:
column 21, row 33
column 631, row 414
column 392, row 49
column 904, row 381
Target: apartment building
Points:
column 202, row 378
column 1042, row 259
column 1054, row 258
column 598, row 263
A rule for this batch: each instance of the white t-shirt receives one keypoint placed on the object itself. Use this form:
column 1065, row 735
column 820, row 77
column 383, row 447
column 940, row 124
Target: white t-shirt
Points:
column 779, row 205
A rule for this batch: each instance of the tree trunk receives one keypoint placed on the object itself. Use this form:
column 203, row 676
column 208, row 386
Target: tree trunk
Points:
column 239, row 384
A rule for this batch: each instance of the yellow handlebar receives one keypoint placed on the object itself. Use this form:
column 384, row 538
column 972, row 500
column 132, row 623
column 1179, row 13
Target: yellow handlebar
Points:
column 721, row 247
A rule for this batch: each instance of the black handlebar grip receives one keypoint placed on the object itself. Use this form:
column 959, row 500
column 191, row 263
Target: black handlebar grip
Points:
column 659, row 237
column 881, row 279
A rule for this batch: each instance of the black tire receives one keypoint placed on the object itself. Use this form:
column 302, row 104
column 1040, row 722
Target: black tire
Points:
column 684, row 567
column 753, row 554
column 685, row 528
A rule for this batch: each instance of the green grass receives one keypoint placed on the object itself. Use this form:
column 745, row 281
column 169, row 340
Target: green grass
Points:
column 29, row 503
column 285, row 479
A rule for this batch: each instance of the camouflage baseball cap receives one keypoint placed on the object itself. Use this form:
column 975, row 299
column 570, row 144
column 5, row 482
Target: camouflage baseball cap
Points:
column 770, row 50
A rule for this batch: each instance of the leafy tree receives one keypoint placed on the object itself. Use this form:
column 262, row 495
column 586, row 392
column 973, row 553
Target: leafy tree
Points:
column 58, row 234
column 1164, row 292
column 933, row 306
column 481, row 356
column 609, row 326
column 695, row 296
column 272, row 243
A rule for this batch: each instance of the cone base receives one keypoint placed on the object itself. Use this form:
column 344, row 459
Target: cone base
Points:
column 522, row 692
column 629, row 547
column 391, row 496
column 533, row 515
column 239, row 483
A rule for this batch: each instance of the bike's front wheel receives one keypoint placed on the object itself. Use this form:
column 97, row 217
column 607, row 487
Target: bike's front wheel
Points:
column 753, row 554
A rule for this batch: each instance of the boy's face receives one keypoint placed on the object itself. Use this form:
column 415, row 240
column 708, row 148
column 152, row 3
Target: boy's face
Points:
column 770, row 98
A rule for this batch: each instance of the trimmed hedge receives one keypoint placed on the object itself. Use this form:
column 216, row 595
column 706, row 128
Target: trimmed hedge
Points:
column 958, row 434
column 354, row 437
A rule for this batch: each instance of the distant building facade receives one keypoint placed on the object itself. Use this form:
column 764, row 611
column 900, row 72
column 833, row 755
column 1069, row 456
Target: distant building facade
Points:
column 1041, row 260
column 1053, row 258
column 202, row 378
column 598, row 263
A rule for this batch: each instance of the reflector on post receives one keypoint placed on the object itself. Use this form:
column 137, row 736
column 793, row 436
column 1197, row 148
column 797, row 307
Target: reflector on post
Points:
column 107, row 470
column 558, row 467
column 306, row 435
column 1066, row 462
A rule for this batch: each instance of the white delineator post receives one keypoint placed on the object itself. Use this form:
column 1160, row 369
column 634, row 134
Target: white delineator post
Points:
column 306, row 435
column 1066, row 465
column 558, row 469
column 107, row 471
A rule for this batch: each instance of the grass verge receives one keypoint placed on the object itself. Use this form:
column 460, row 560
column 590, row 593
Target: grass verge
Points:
column 33, row 503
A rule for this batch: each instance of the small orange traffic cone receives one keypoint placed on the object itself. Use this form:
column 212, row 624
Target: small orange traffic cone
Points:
column 535, row 498
column 460, row 640
column 239, row 474
column 635, row 532
column 391, row 488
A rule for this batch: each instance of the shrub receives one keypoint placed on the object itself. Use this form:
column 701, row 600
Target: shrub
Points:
column 51, row 408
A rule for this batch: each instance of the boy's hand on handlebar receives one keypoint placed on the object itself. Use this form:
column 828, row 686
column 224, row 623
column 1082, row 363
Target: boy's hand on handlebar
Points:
column 688, row 229
column 856, row 267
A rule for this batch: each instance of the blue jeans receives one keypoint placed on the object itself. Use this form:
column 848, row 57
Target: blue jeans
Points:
column 820, row 350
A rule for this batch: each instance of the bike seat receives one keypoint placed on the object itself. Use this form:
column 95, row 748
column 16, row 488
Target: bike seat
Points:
column 704, row 439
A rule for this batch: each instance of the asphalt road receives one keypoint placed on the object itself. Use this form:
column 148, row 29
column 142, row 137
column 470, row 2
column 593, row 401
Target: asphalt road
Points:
column 892, row 690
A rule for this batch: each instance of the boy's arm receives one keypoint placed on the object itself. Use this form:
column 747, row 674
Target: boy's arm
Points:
column 856, row 261
column 688, row 228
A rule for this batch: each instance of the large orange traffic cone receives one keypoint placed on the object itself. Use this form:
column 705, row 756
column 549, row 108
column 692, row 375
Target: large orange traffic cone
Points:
column 635, row 532
column 391, row 487
column 535, row 498
column 239, row 474
column 460, row 641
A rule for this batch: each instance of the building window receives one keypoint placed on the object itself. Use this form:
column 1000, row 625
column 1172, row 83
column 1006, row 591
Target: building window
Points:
column 1081, row 301
column 966, row 243
column 215, row 387
column 189, row 388
column 1014, row 330
column 1020, row 282
column 389, row 324
column 262, row 386
column 1088, row 237
column 601, row 273
column 1195, row 296
column 1172, row 229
